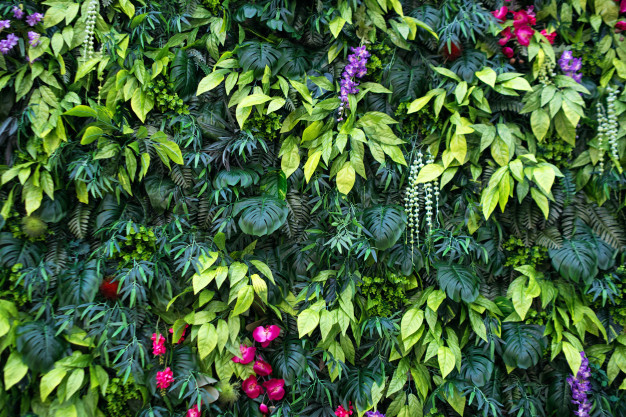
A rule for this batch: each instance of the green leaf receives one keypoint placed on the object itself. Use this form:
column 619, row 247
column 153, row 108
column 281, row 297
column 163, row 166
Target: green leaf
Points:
column 86, row 67
column 446, row 360
column 91, row 134
column 207, row 339
column 544, row 176
column 245, row 297
column 386, row 224
column 429, row 173
column 211, row 81
column 261, row 215
column 254, row 99
column 540, row 123
column 81, row 111
column 50, row 381
column 74, row 382
column 307, row 321
column 411, row 322
column 345, row 178
column 517, row 84
column 573, row 357
column 311, row 164
column 488, row 76
column 141, row 104
column 458, row 281
column 336, row 25
column 14, row 370
column 524, row 344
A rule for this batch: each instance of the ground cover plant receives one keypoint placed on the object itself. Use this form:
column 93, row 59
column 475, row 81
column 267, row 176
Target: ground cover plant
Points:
column 312, row 208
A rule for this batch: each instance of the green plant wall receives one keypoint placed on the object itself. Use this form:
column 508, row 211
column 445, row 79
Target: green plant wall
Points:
column 312, row 208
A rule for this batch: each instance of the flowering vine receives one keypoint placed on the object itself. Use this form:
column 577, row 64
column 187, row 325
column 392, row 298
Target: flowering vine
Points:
column 356, row 68
column 580, row 385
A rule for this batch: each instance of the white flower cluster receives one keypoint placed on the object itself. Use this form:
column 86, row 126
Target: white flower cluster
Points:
column 412, row 199
column 608, row 127
column 90, row 29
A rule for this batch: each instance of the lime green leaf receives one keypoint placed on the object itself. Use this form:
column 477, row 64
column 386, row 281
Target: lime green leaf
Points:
column 307, row 321
column 245, row 297
column 446, row 360
column 429, row 173
column 207, row 339
column 14, row 370
column 211, row 81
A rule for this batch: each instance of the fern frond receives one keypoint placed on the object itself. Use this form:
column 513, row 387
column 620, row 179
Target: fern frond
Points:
column 79, row 220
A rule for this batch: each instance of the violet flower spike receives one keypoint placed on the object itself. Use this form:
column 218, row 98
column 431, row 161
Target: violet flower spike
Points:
column 356, row 68
column 34, row 18
column 18, row 13
column 33, row 38
column 5, row 24
column 570, row 65
column 9, row 43
column 580, row 385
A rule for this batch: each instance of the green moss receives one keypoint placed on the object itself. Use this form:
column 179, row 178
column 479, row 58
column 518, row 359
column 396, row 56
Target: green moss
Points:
column 138, row 245
column 421, row 123
column 267, row 126
column 385, row 295
column 118, row 396
column 165, row 98
column 519, row 254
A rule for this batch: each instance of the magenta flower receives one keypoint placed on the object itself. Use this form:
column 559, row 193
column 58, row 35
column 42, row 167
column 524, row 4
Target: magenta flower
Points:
column 5, row 24
column 33, row 38
column 164, row 378
column 524, row 18
column 251, row 387
column 262, row 368
column 182, row 337
column 158, row 344
column 193, row 411
column 264, row 409
column 275, row 389
column 506, row 36
column 549, row 36
column 622, row 6
column 247, row 355
column 264, row 335
column 508, row 52
column 501, row 13
column 621, row 25
column 524, row 34
column 18, row 13
column 34, row 18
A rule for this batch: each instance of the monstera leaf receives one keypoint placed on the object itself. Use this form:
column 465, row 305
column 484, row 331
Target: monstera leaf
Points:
column 80, row 283
column 39, row 346
column 458, row 281
column 262, row 215
column 18, row 251
column 255, row 55
column 289, row 360
column 245, row 177
column 476, row 367
column 183, row 75
column 524, row 344
column 386, row 224
column 575, row 259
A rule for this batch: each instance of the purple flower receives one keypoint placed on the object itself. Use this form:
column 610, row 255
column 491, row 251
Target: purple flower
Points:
column 33, row 38
column 570, row 65
column 9, row 43
column 374, row 414
column 18, row 13
column 580, row 386
column 5, row 24
column 34, row 18
column 356, row 67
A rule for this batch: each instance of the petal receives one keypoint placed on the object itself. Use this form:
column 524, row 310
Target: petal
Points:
column 259, row 334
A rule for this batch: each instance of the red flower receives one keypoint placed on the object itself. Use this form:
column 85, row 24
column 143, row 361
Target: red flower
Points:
column 621, row 25
column 262, row 368
column 251, row 387
column 500, row 14
column 549, row 36
column 108, row 288
column 453, row 52
column 506, row 36
column 264, row 335
column 247, row 355
column 164, row 378
column 275, row 389
column 524, row 34
column 508, row 52
column 622, row 6
column 264, row 409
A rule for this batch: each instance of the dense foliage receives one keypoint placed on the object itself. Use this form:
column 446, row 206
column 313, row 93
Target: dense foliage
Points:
column 312, row 208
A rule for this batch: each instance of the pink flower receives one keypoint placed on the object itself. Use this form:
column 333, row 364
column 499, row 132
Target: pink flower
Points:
column 182, row 337
column 262, row 368
column 158, row 344
column 264, row 409
column 247, row 355
column 549, row 36
column 621, row 25
column 622, row 6
column 342, row 412
column 500, row 14
column 265, row 335
column 193, row 411
column 506, row 36
column 524, row 34
column 251, row 387
column 524, row 18
column 508, row 52
column 275, row 389
column 164, row 378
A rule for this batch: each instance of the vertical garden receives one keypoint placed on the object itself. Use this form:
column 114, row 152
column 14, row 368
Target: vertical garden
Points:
column 312, row 208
